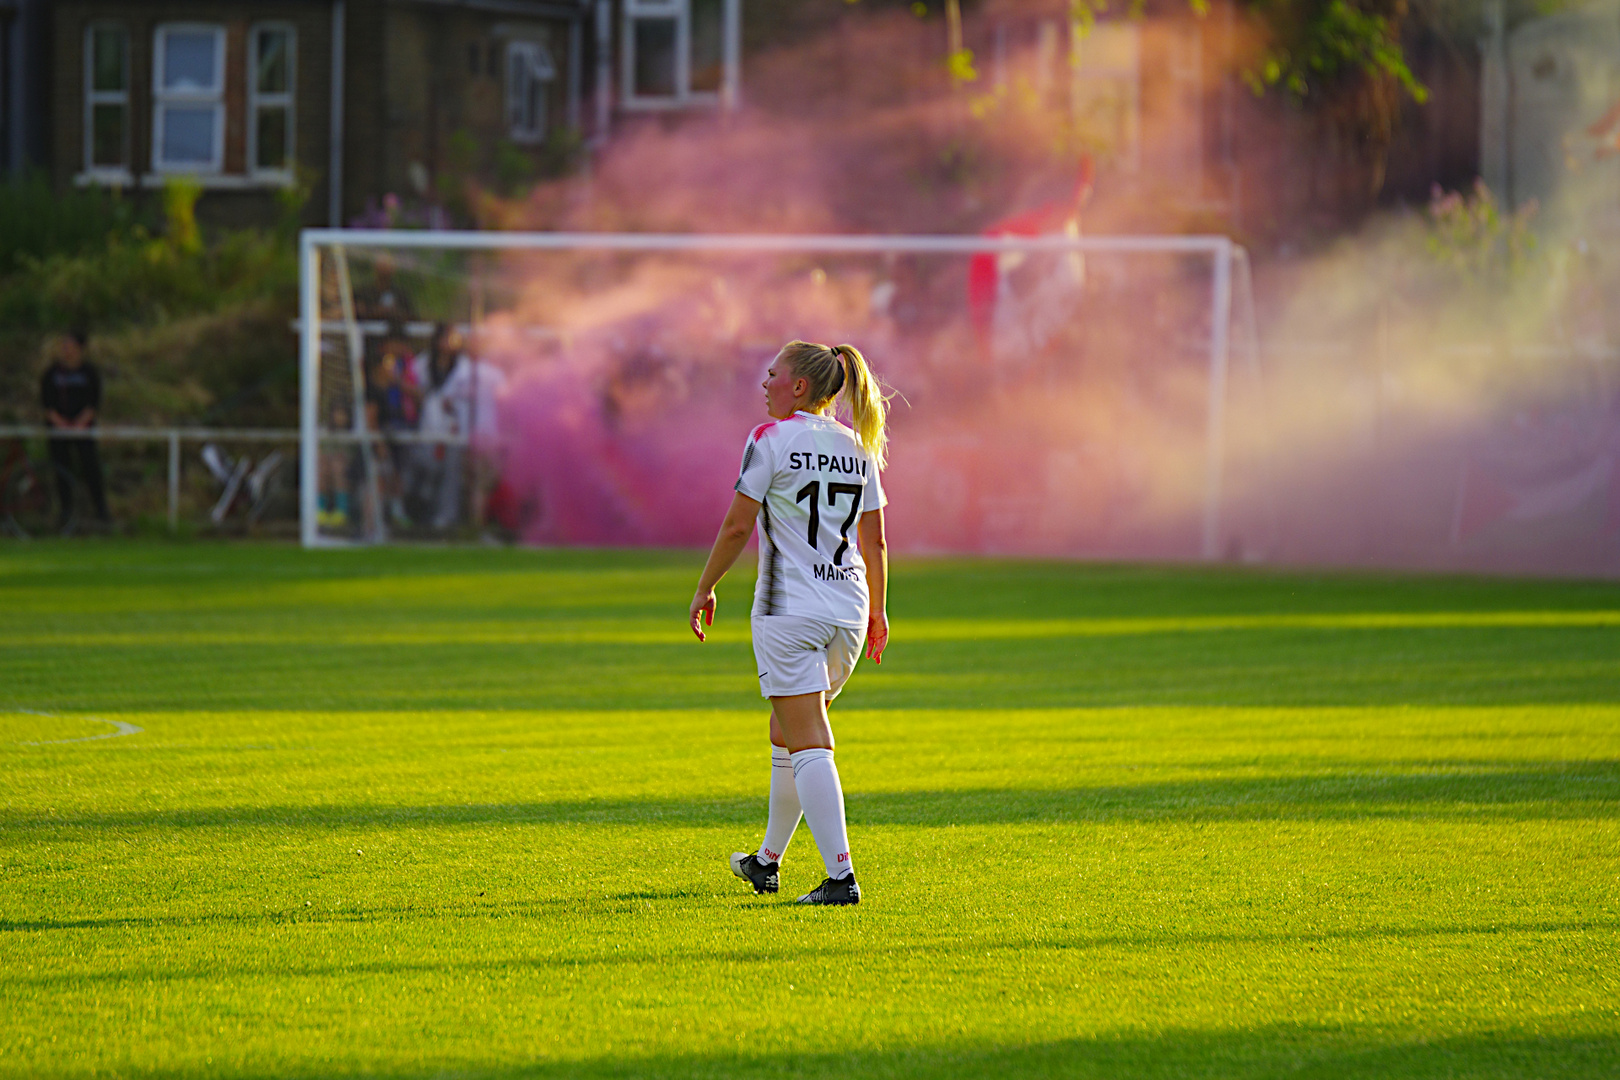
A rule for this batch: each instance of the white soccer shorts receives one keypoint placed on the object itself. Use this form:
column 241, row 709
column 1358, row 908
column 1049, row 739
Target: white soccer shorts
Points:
column 801, row 656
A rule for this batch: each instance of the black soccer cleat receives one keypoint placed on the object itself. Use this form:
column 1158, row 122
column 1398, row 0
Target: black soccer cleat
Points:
column 763, row 876
column 840, row 892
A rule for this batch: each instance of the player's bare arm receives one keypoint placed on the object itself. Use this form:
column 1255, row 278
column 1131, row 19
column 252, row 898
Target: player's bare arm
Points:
column 875, row 550
column 735, row 530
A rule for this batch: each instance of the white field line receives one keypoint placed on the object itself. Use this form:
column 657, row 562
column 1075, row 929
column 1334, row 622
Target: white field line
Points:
column 122, row 728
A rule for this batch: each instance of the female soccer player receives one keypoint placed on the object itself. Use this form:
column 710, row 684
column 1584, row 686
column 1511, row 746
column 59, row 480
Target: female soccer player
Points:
column 807, row 479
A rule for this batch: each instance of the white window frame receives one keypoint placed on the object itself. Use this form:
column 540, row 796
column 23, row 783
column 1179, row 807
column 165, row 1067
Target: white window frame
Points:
column 94, row 97
column 684, row 97
column 523, row 51
column 285, row 99
column 162, row 98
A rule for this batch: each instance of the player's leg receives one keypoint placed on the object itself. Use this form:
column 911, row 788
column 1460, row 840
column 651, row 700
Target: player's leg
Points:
column 90, row 469
column 331, row 482
column 840, row 654
column 761, row 868
column 803, row 719
column 61, row 451
column 447, row 505
column 785, row 811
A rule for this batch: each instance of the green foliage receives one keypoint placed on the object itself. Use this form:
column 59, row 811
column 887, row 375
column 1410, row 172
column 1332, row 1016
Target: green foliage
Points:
column 133, row 277
column 1337, row 55
column 514, row 167
column 1084, row 12
column 453, row 185
column 1316, row 43
column 562, row 152
column 183, row 323
column 291, row 201
column 233, row 366
column 461, row 153
column 37, row 222
column 141, row 279
column 509, row 171
column 180, row 195
column 1472, row 238
column 960, row 66
column 465, row 812
column 1311, row 48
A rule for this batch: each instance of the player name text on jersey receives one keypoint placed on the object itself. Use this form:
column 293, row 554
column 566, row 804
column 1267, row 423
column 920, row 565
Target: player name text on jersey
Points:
column 827, row 463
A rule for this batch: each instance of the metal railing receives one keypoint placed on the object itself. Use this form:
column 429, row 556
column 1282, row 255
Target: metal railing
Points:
column 174, row 436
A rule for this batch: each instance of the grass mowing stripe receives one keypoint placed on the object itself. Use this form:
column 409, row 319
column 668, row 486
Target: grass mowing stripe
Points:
column 1260, row 823
column 649, row 632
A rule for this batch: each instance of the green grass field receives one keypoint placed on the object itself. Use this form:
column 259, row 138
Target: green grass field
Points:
column 411, row 813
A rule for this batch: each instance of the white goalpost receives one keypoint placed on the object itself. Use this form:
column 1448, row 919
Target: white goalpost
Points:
column 333, row 331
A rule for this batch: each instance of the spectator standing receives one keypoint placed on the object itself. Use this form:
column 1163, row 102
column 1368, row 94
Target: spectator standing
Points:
column 70, row 393
column 341, row 472
column 393, row 401
column 447, row 414
column 468, row 390
column 384, row 300
column 486, row 385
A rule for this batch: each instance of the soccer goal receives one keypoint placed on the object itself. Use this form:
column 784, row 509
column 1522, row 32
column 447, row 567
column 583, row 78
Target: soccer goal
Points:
column 1055, row 395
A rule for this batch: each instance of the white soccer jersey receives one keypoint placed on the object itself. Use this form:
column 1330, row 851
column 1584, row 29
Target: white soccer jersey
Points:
column 813, row 482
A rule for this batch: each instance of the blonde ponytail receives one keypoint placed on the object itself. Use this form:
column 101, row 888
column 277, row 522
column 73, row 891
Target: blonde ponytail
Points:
column 836, row 371
column 868, row 409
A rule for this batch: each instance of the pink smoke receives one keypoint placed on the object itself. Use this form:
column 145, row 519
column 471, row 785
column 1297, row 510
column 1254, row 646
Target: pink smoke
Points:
column 1053, row 406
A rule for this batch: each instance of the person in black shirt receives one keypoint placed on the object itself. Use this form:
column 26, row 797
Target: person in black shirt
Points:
column 70, row 393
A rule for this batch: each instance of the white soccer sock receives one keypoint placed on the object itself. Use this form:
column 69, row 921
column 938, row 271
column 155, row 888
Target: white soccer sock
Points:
column 785, row 812
column 822, row 797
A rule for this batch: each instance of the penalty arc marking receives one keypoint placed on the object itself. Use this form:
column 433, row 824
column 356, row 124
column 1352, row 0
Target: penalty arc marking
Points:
column 121, row 727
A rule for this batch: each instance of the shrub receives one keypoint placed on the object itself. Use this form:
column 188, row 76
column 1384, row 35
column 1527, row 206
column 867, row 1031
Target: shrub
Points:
column 36, row 222
column 187, row 327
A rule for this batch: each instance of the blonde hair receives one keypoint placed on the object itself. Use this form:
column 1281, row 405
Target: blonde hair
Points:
column 841, row 370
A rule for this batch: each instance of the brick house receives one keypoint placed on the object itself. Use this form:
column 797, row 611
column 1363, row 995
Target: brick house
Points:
column 358, row 98
column 22, row 84
column 364, row 98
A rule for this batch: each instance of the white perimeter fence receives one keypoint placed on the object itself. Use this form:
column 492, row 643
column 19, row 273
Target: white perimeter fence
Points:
column 174, row 436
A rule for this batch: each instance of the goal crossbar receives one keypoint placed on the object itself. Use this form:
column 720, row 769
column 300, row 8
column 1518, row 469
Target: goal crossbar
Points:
column 1222, row 250
column 833, row 243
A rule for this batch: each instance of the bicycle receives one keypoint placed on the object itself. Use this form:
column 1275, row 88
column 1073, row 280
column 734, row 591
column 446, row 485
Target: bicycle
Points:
column 31, row 495
column 246, row 488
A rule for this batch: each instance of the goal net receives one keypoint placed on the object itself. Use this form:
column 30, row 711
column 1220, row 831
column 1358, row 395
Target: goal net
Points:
column 1055, row 395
